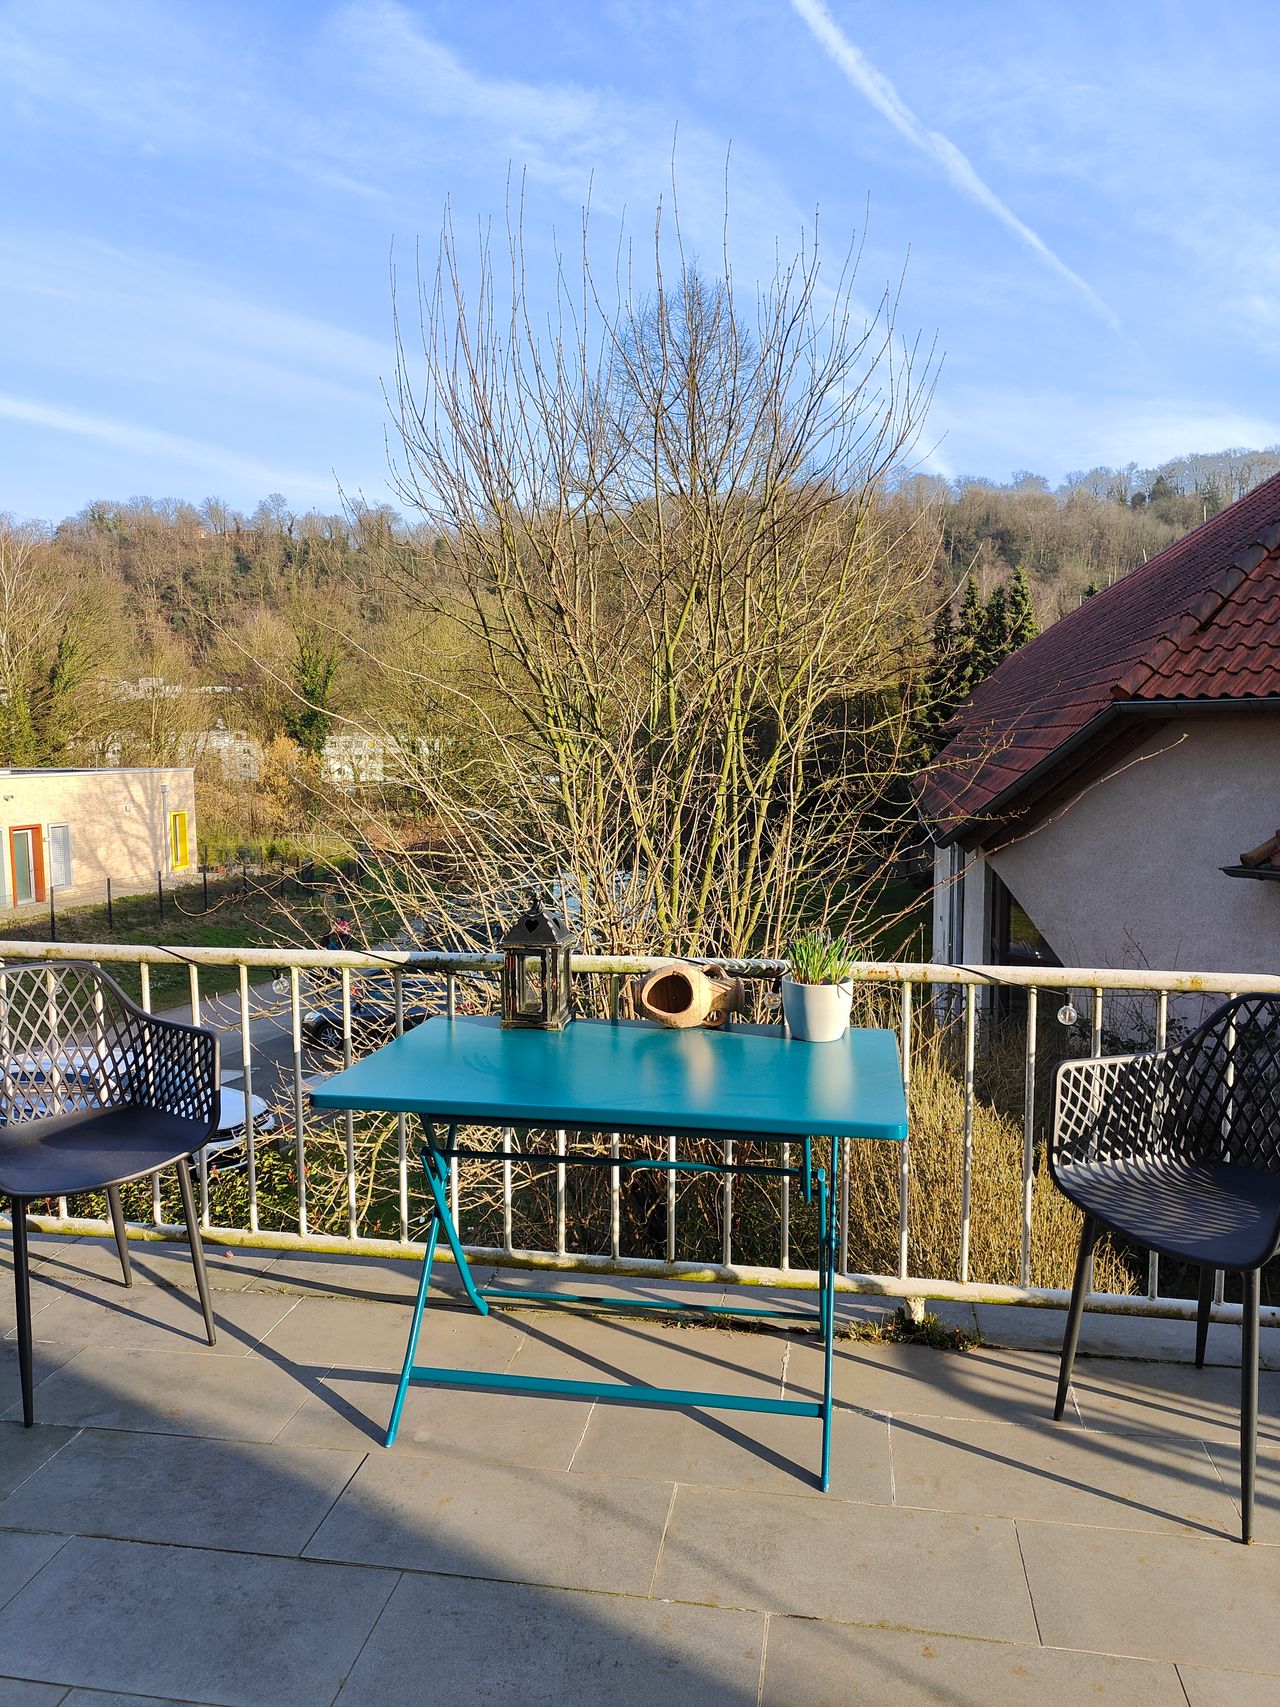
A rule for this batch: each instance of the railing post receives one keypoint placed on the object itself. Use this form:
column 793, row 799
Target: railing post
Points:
column 966, row 1181
column 1028, row 1136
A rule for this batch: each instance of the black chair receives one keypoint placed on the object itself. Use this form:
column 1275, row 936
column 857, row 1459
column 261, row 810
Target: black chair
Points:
column 95, row 1092
column 1179, row 1150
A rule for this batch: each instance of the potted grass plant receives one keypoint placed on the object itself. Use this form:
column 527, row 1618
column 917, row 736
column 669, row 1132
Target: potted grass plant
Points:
column 818, row 994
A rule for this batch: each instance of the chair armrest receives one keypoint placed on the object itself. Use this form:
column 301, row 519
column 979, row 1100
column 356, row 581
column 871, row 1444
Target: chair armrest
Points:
column 177, row 1070
column 1114, row 1108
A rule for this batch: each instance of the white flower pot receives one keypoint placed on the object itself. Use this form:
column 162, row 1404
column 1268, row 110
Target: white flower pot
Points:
column 818, row 1013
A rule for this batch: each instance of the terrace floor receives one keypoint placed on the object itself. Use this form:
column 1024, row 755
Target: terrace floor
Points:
column 224, row 1526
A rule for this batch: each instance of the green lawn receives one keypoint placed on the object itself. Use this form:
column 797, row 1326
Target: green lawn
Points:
column 270, row 914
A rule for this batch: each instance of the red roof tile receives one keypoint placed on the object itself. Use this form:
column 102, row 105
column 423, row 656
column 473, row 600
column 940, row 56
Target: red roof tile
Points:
column 1200, row 621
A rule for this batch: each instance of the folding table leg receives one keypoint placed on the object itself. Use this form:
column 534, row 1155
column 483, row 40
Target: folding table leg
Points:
column 410, row 1350
column 826, row 1283
column 438, row 1182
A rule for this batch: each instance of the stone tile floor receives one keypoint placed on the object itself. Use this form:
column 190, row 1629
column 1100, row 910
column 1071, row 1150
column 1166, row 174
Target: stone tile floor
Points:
column 224, row 1526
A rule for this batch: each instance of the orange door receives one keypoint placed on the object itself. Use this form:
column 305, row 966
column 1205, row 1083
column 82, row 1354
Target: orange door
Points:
column 26, row 862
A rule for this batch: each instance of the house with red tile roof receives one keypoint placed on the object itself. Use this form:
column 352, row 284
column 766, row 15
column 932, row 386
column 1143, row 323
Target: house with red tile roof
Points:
column 1104, row 781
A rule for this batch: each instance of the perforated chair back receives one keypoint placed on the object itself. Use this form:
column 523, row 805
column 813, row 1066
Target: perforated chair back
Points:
column 1223, row 1086
column 71, row 1041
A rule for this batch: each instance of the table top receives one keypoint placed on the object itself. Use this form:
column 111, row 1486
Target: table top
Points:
column 626, row 1075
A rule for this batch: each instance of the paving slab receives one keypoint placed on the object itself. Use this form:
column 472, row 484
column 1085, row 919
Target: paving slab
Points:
column 1228, row 1688
column 699, row 1359
column 48, row 1247
column 495, row 1644
column 639, row 1288
column 97, row 1698
column 1158, row 1339
column 1127, row 1397
column 915, row 1380
column 146, row 1318
column 229, row 1628
column 1225, row 1456
column 24, row 1450
column 200, row 1493
column 432, row 1512
column 856, row 1563
column 352, row 1412
column 15, row 1693
column 1059, row 1475
column 1166, row 1597
column 43, row 1293
column 219, row 1398
column 859, row 1308
column 338, row 1333
column 383, row 1280
column 155, row 1262
column 47, row 1358
column 21, row 1557
column 838, row 1665
column 739, row 1449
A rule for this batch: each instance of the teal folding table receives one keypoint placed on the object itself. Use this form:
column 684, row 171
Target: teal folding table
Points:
column 745, row 1082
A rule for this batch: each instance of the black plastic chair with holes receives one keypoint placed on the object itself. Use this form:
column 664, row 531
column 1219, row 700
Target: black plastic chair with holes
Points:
column 1179, row 1150
column 94, row 1093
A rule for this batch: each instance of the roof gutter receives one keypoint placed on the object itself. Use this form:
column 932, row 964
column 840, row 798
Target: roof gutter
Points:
column 1164, row 709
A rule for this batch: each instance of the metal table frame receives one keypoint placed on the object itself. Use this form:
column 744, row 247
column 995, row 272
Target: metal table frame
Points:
column 437, row 1156
column 746, row 1082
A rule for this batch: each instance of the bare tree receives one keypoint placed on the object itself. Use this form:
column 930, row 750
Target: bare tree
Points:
column 668, row 602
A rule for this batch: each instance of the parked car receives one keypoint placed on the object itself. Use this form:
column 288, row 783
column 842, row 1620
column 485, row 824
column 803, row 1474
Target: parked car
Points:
column 36, row 1086
column 373, row 1012
column 220, row 1152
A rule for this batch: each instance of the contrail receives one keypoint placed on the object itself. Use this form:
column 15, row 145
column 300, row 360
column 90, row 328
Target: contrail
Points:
column 885, row 98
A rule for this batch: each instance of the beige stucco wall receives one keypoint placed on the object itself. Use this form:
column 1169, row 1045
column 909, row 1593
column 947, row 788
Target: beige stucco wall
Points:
column 1128, row 873
column 118, row 821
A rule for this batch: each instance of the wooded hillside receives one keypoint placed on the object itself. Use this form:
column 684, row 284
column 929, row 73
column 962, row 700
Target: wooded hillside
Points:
column 130, row 628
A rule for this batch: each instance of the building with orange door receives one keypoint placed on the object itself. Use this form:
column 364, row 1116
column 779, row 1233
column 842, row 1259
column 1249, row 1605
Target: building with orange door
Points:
column 68, row 831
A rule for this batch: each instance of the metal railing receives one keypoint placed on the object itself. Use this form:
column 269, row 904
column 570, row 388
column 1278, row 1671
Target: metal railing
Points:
column 264, row 1016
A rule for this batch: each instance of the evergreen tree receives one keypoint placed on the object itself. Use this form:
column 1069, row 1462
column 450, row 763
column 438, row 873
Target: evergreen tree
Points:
column 309, row 718
column 994, row 643
column 970, row 646
column 1020, row 616
column 939, row 698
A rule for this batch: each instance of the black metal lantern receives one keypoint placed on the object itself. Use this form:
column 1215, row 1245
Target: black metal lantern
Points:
column 536, row 990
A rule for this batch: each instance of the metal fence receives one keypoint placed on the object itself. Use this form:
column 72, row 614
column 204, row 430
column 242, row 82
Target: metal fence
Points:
column 274, row 987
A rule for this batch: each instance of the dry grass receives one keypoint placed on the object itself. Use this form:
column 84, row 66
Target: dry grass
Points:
column 935, row 1191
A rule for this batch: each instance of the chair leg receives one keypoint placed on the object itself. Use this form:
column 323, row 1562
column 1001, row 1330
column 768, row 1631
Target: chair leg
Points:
column 1089, row 1235
column 122, row 1238
column 1248, row 1399
column 197, row 1247
column 1203, row 1306
column 22, row 1298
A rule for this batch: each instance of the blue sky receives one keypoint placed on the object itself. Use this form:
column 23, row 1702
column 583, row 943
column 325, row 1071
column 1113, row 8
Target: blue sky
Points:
column 199, row 200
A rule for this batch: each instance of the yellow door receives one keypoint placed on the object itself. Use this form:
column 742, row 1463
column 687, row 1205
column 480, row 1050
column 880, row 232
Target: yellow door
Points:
column 178, row 853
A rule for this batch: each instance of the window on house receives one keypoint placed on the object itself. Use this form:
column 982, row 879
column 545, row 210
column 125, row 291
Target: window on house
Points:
column 179, row 854
column 60, row 856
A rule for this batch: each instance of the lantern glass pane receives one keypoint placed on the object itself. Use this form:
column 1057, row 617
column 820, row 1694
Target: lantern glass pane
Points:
column 529, row 991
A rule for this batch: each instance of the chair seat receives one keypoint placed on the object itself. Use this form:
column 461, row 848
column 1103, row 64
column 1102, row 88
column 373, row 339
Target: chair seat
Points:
column 1219, row 1214
column 91, row 1149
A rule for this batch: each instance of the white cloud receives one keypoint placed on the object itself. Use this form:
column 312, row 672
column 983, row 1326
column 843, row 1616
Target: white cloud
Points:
column 82, row 306
column 1083, row 429
column 885, row 98
column 215, row 462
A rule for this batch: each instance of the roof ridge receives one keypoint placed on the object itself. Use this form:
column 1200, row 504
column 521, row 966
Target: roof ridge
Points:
column 1201, row 613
